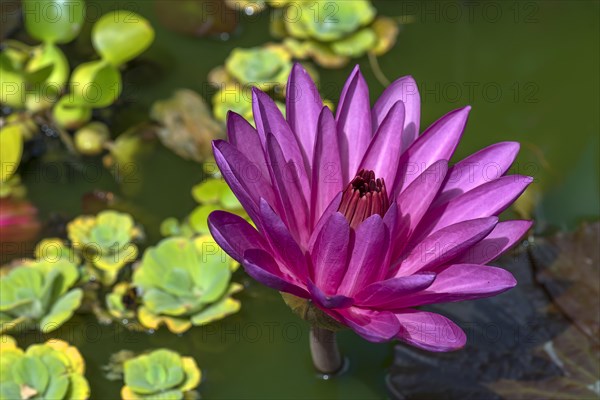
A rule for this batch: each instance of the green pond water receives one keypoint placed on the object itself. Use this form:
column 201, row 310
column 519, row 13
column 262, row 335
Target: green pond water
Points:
column 530, row 71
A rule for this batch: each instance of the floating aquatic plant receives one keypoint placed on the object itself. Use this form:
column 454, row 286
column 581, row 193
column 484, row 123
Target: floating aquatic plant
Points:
column 161, row 374
column 211, row 194
column 333, row 32
column 39, row 78
column 184, row 282
column 187, row 125
column 39, row 294
column 53, row 370
column 105, row 241
column 345, row 221
column 121, row 302
column 266, row 67
column 11, row 149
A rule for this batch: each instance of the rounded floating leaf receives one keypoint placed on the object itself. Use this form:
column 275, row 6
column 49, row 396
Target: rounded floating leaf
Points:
column 69, row 115
column 11, row 148
column 121, row 35
column 12, row 81
column 90, row 139
column 54, row 21
column 49, row 67
column 95, row 84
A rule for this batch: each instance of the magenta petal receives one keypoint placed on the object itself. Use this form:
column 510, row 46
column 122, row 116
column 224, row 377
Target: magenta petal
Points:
column 243, row 177
column 429, row 331
column 414, row 202
column 269, row 120
column 287, row 184
column 375, row 326
column 245, row 139
column 325, row 301
column 234, row 234
column 303, row 106
column 368, row 255
column 438, row 142
column 330, row 253
column 485, row 200
column 383, row 153
column 282, row 242
column 327, row 180
column 460, row 282
column 383, row 294
column 329, row 211
column 404, row 89
column 446, row 244
column 262, row 267
column 484, row 166
column 354, row 122
column 502, row 238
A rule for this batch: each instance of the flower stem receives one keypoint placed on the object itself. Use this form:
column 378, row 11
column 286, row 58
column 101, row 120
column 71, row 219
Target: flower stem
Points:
column 324, row 349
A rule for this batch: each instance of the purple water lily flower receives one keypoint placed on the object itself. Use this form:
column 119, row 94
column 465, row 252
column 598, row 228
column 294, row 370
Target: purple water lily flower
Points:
column 360, row 214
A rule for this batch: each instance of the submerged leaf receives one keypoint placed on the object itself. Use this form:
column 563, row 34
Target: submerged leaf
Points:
column 188, row 127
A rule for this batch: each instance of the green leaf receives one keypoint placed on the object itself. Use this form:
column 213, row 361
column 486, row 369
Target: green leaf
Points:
column 70, row 115
column 216, row 311
column 61, row 311
column 11, row 148
column 54, row 21
column 121, row 35
column 31, row 372
column 199, row 217
column 48, row 67
column 209, row 191
column 95, row 84
column 12, row 82
column 58, row 387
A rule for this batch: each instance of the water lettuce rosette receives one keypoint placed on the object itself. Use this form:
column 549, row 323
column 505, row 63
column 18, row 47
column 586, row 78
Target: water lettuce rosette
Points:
column 183, row 282
column 333, row 32
column 52, row 370
column 105, row 241
column 161, row 374
column 39, row 294
column 360, row 214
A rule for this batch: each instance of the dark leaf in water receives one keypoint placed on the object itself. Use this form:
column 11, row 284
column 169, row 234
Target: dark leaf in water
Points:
column 579, row 359
column 502, row 333
column 569, row 268
column 197, row 17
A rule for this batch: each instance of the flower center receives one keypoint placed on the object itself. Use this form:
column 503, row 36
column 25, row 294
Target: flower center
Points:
column 364, row 196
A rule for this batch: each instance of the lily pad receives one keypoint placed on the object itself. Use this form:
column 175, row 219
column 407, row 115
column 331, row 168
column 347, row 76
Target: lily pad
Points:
column 11, row 149
column 95, row 84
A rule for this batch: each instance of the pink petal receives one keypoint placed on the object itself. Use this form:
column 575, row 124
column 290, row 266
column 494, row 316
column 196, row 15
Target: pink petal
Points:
column 404, row 89
column 438, row 142
column 484, row 166
column 326, row 301
column 460, row 282
column 414, row 202
column 263, row 268
column 303, row 107
column 383, row 293
column 485, row 200
column 354, row 122
column 502, row 238
column 282, row 243
column 429, row 331
column 245, row 139
column 234, row 234
column 268, row 119
column 383, row 153
column 445, row 244
column 287, row 187
column 243, row 177
column 330, row 253
column 375, row 326
column 327, row 180
column 367, row 261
